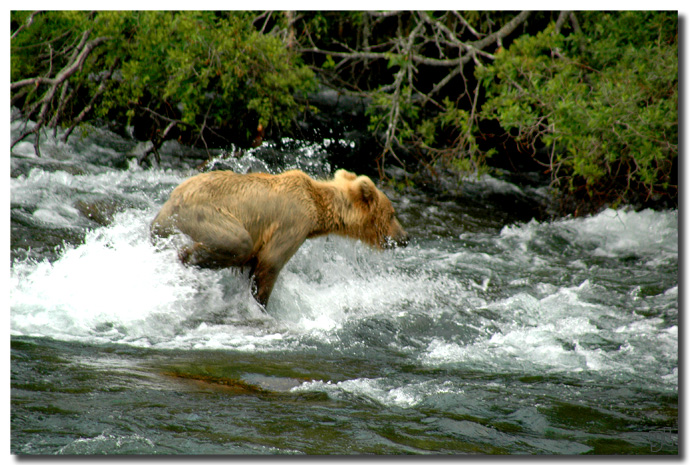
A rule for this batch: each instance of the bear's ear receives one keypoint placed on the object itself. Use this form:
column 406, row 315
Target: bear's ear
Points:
column 344, row 174
column 365, row 190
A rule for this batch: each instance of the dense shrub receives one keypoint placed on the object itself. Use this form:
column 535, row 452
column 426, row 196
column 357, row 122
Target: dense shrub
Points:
column 591, row 96
column 602, row 102
column 212, row 75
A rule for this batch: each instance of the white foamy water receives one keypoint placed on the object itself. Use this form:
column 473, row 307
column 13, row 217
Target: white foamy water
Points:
column 557, row 337
column 611, row 233
column 601, row 323
column 118, row 287
column 569, row 296
column 383, row 392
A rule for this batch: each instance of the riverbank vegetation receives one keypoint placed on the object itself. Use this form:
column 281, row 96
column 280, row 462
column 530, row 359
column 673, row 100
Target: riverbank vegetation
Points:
column 589, row 99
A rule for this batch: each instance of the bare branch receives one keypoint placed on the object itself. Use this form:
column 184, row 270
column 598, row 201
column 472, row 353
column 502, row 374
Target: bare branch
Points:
column 266, row 16
column 89, row 106
column 562, row 17
column 503, row 32
column 409, row 50
column 68, row 70
column 384, row 14
column 75, row 63
column 467, row 25
column 163, row 117
column 28, row 23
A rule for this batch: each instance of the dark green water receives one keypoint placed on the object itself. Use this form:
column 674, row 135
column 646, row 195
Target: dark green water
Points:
column 484, row 336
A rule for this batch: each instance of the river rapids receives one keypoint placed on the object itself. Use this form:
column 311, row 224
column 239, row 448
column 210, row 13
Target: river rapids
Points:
column 486, row 335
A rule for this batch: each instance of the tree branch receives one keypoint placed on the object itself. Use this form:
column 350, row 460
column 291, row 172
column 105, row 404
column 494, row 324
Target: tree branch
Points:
column 28, row 23
column 501, row 33
column 89, row 106
column 75, row 63
column 68, row 70
column 433, row 42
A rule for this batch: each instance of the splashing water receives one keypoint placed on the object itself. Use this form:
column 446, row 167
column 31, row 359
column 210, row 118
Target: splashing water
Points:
column 539, row 337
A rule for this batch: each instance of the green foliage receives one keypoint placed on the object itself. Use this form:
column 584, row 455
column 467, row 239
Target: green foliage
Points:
column 44, row 44
column 205, row 70
column 328, row 63
column 463, row 155
column 604, row 103
column 597, row 104
column 446, row 136
column 410, row 64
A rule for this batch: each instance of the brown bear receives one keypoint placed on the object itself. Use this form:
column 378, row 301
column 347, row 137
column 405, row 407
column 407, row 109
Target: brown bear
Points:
column 260, row 220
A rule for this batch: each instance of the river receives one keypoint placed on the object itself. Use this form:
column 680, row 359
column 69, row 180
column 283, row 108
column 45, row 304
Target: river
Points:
column 488, row 334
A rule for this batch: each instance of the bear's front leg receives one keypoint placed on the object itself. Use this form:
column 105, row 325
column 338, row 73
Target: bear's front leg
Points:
column 271, row 259
column 264, row 279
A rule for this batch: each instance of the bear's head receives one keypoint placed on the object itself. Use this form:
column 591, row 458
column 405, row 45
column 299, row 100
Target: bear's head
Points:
column 374, row 219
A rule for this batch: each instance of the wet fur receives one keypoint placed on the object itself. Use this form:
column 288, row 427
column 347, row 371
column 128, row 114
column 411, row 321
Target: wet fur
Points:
column 260, row 220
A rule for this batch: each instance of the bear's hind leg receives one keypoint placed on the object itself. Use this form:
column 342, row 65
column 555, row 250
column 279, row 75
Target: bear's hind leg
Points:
column 220, row 241
column 198, row 254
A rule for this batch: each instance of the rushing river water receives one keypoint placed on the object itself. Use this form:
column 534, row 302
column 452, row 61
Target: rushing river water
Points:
column 485, row 335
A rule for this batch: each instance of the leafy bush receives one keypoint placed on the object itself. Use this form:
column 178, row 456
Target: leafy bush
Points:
column 410, row 64
column 211, row 75
column 592, row 96
column 603, row 103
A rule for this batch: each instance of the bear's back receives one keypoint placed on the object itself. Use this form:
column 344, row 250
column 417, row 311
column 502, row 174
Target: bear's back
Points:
column 248, row 196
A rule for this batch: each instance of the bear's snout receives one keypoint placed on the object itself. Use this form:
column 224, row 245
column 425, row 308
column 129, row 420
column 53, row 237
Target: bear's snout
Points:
column 397, row 238
column 395, row 242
